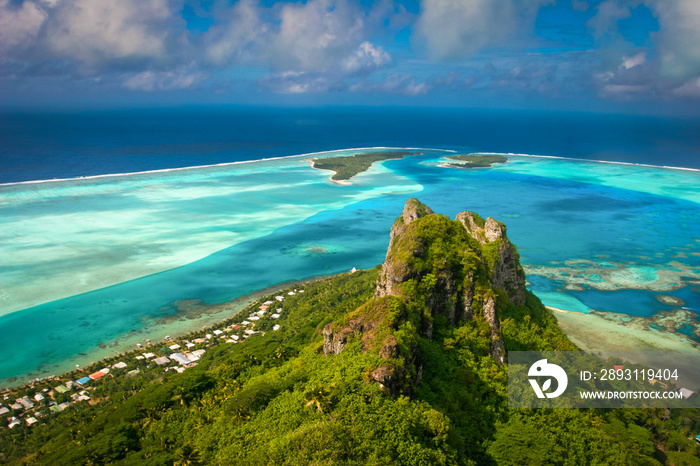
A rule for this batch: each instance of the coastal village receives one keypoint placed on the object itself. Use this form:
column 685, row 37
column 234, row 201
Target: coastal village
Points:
column 40, row 398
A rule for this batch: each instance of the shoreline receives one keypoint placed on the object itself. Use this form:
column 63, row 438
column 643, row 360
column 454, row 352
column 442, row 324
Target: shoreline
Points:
column 556, row 309
column 216, row 165
column 575, row 159
column 283, row 157
column 340, row 182
column 205, row 315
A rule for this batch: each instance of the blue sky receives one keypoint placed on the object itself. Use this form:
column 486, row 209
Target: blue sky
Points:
column 630, row 56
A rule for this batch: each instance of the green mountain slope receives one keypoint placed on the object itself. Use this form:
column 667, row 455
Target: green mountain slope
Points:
column 402, row 364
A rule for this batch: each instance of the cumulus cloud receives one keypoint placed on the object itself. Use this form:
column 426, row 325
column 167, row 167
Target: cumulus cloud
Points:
column 635, row 60
column 456, row 29
column 358, row 64
column 91, row 34
column 145, row 45
column 315, row 35
column 314, row 47
column 238, row 37
column 19, row 24
column 95, row 31
column 671, row 70
column 366, row 59
column 679, row 37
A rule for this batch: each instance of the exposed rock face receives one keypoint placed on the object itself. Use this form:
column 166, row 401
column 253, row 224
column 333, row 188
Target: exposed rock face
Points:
column 469, row 297
column 506, row 273
column 386, row 376
column 412, row 210
column 334, row 342
column 469, row 220
column 498, row 351
column 393, row 272
column 493, row 231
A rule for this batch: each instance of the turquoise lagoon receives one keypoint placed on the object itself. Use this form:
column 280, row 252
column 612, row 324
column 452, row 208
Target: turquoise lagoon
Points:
column 92, row 266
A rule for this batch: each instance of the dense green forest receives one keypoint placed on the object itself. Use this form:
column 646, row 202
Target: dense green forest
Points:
column 349, row 166
column 476, row 161
column 400, row 364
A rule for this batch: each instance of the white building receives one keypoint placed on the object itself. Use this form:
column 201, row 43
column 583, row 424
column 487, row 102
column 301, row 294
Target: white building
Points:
column 181, row 358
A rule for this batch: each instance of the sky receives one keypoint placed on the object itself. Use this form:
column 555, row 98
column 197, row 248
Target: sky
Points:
column 627, row 56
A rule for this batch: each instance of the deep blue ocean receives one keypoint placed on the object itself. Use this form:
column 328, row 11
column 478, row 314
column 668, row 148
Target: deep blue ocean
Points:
column 66, row 144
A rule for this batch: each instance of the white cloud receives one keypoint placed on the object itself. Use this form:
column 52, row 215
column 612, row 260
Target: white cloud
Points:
column 93, row 32
column 362, row 62
column 239, row 36
column 149, row 81
column 366, row 58
column 19, row 25
column 455, row 29
column 673, row 67
column 635, row 60
column 300, row 82
column 689, row 89
column 679, row 37
column 316, row 35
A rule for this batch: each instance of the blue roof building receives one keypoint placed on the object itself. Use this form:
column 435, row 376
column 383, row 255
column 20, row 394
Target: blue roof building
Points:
column 83, row 381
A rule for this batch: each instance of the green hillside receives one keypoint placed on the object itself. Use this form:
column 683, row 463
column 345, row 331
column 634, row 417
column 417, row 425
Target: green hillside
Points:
column 401, row 364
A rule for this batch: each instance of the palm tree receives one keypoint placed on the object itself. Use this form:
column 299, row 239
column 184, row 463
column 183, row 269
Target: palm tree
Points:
column 188, row 456
column 319, row 397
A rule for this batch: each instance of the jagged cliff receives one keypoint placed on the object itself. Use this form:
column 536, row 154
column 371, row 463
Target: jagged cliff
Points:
column 435, row 268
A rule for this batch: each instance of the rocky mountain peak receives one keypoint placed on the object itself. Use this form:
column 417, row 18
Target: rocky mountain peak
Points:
column 445, row 269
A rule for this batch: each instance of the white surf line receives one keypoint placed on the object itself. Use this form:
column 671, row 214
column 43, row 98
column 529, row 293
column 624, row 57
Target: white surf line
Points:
column 224, row 164
column 589, row 160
